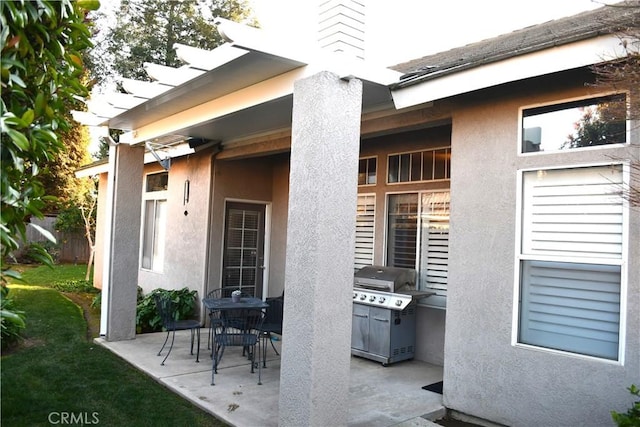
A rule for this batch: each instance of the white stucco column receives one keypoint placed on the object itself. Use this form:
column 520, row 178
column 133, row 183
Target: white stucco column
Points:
column 314, row 378
column 124, row 242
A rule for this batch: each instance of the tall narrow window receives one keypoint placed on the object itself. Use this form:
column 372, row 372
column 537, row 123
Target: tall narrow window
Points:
column 154, row 221
column 365, row 230
column 402, row 233
column 571, row 260
column 434, row 241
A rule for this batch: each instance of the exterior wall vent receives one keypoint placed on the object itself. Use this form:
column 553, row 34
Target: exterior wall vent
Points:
column 341, row 26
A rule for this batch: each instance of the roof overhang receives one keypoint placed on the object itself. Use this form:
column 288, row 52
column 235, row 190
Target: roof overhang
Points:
column 246, row 90
column 452, row 82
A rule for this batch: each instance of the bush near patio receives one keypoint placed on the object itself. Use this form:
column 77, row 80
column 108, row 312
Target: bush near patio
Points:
column 55, row 369
column 147, row 316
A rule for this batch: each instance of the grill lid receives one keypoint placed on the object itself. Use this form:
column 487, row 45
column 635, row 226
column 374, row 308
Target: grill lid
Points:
column 388, row 279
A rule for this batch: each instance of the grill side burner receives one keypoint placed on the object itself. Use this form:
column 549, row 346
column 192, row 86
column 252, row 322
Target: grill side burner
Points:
column 384, row 314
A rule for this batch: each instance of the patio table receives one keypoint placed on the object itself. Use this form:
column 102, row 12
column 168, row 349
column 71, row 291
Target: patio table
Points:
column 233, row 311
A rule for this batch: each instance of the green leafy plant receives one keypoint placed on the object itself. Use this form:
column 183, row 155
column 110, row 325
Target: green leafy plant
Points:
column 75, row 286
column 632, row 417
column 11, row 320
column 147, row 316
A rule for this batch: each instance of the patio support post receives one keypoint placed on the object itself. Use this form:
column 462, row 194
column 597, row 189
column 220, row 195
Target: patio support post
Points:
column 325, row 143
column 124, row 242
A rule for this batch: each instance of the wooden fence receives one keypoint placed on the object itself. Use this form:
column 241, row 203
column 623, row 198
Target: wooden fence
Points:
column 70, row 247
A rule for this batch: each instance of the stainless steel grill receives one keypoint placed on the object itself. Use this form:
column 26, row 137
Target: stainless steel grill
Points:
column 384, row 313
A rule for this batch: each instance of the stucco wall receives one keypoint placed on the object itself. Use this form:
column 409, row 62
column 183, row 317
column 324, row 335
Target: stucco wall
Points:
column 247, row 180
column 186, row 235
column 485, row 374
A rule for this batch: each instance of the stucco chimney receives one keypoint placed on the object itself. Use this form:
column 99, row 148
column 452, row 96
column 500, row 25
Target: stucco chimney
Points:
column 341, row 26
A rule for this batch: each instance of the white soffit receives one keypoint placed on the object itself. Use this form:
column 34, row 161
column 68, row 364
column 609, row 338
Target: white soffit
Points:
column 556, row 59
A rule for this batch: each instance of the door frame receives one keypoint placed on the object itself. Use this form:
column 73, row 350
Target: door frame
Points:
column 266, row 240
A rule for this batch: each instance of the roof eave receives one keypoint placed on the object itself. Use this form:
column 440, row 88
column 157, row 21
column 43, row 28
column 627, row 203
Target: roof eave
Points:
column 508, row 68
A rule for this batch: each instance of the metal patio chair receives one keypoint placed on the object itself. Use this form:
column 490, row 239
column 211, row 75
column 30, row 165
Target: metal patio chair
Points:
column 239, row 328
column 272, row 325
column 166, row 309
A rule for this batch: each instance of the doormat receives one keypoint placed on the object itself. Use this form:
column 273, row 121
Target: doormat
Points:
column 435, row 387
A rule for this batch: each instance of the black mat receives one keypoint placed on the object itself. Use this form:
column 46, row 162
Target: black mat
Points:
column 435, row 387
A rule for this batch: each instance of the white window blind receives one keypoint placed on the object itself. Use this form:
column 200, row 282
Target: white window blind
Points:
column 570, row 216
column 434, row 255
column 365, row 230
column 574, row 212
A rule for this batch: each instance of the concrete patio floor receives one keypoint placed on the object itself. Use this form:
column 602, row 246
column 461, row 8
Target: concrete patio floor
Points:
column 379, row 396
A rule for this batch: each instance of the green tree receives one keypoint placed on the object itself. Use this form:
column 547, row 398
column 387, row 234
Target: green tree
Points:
column 146, row 30
column 58, row 176
column 42, row 69
column 623, row 73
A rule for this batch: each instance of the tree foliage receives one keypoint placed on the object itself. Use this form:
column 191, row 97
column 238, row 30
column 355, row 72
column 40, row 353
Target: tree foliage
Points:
column 42, row 68
column 623, row 74
column 146, row 30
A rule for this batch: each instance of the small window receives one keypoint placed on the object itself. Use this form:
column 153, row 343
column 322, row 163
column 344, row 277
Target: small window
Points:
column 579, row 124
column 427, row 165
column 367, row 171
column 157, row 182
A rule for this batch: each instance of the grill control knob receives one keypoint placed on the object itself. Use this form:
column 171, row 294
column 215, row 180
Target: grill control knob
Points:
column 363, row 297
column 372, row 298
column 399, row 303
column 381, row 300
column 355, row 294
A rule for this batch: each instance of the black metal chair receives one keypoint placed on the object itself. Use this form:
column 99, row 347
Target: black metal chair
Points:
column 272, row 324
column 214, row 315
column 238, row 328
column 166, row 309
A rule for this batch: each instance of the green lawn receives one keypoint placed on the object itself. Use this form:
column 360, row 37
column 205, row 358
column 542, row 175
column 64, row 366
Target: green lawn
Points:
column 57, row 372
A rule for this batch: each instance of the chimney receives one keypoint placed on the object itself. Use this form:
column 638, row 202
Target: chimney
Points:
column 341, row 26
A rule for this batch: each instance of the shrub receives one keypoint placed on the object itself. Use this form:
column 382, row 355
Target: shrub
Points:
column 632, row 417
column 75, row 286
column 147, row 316
column 11, row 320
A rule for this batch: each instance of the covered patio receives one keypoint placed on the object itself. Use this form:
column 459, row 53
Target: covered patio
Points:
column 378, row 396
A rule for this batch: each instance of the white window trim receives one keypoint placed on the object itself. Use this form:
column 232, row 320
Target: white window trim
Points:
column 623, row 262
column 149, row 195
column 519, row 152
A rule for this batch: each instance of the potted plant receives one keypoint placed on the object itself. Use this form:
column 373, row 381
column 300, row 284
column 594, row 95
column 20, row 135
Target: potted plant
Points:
column 235, row 295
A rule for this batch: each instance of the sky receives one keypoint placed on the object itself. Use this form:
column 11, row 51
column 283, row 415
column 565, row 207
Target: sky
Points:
column 400, row 30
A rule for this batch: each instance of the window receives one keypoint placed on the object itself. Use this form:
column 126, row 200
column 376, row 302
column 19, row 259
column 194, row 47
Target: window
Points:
column 427, row 165
column 578, row 124
column 365, row 230
column 367, row 171
column 418, row 237
column 154, row 221
column 571, row 260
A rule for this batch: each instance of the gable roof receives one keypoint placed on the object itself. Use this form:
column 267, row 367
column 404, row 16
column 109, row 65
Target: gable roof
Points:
column 586, row 25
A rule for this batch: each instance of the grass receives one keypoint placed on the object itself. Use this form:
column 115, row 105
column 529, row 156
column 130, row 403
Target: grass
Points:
column 57, row 370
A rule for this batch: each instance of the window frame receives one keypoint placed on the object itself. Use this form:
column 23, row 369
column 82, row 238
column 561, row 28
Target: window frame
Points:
column 519, row 257
column 401, row 153
column 367, row 183
column 522, row 109
column 375, row 201
column 155, row 196
column 439, row 299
